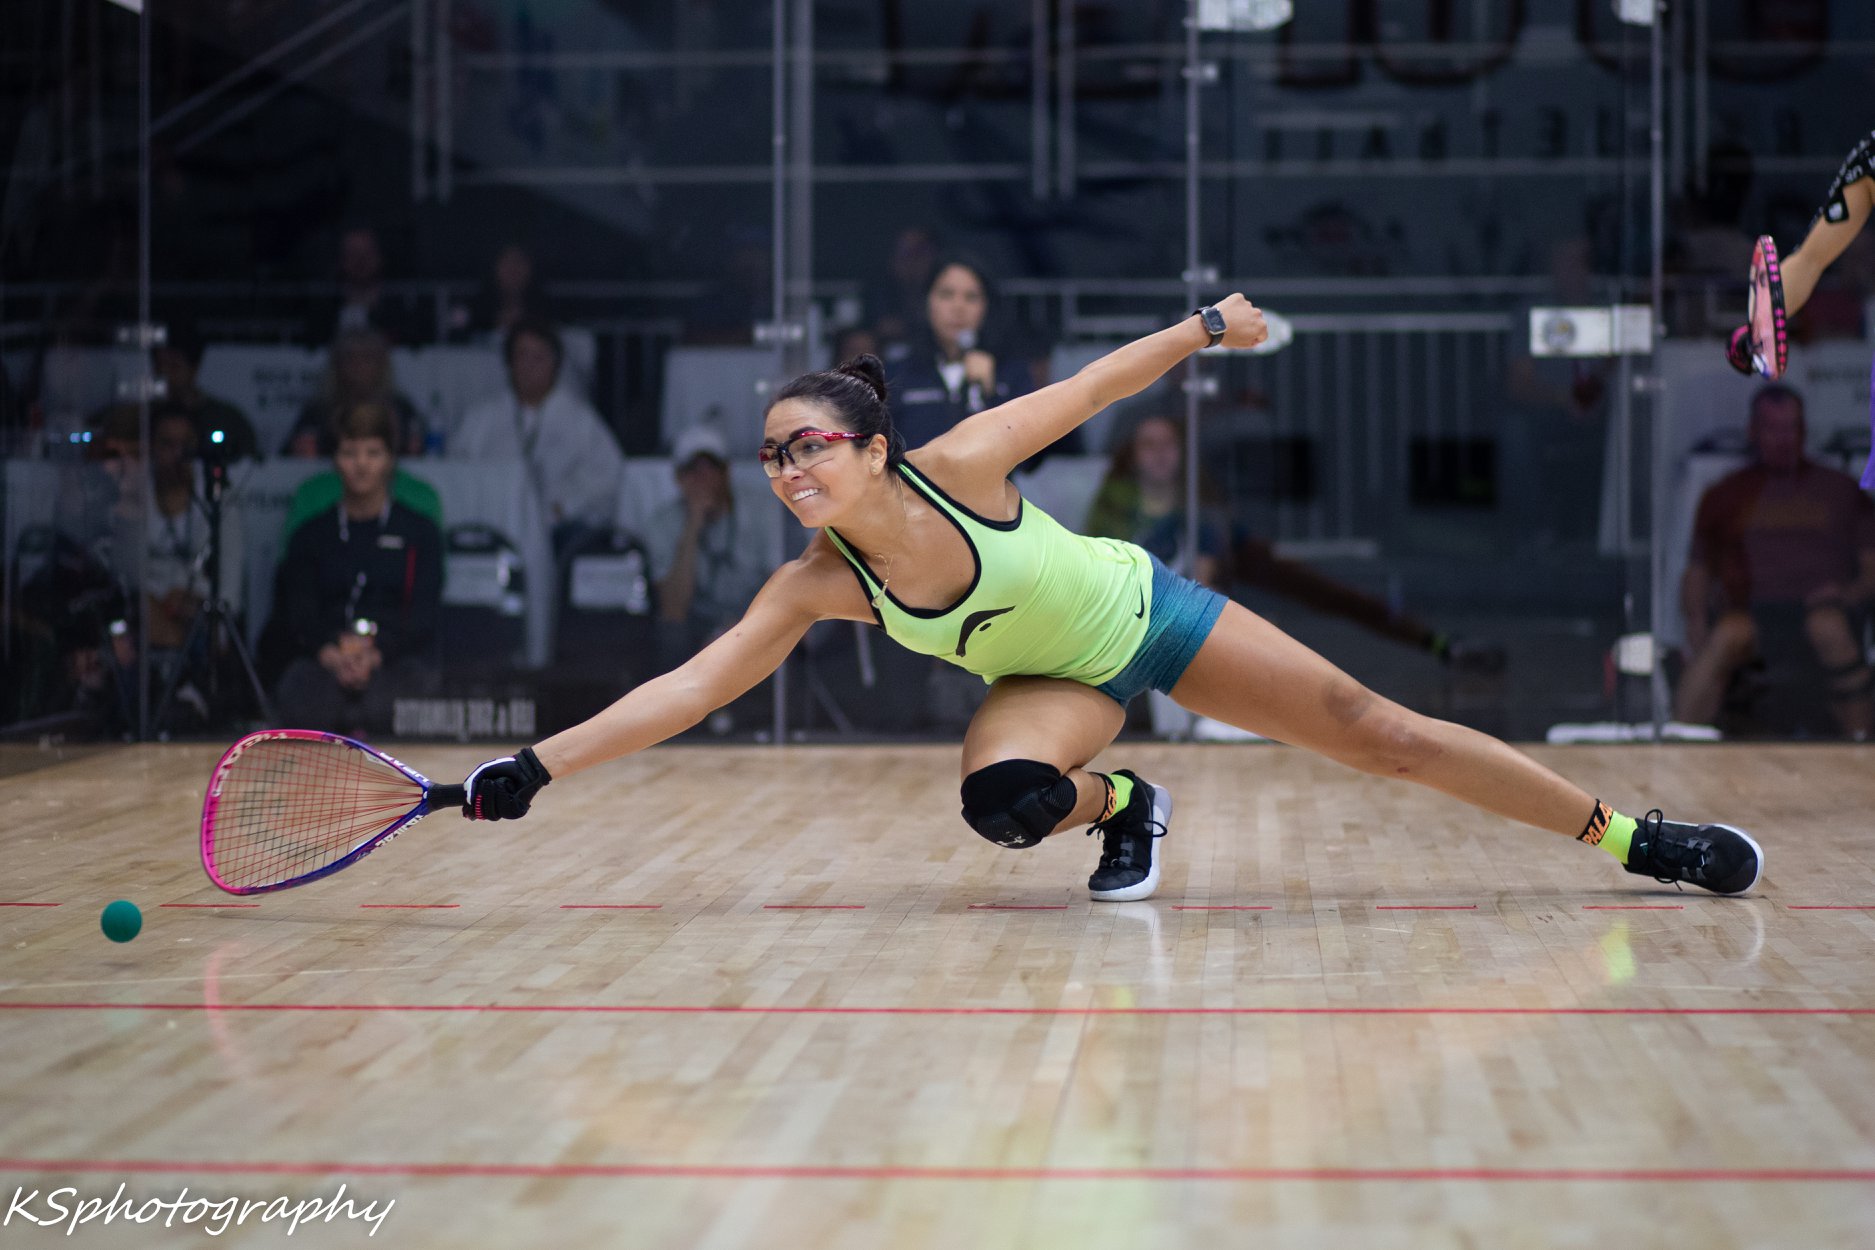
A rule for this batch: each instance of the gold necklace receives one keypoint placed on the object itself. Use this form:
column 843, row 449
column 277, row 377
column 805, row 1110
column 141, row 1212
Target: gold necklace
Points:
column 884, row 585
column 886, row 582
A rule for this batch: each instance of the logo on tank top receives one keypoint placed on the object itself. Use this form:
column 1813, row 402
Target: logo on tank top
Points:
column 976, row 621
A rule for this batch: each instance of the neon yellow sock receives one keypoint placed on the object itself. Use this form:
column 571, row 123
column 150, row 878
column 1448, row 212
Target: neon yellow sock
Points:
column 1609, row 830
column 1119, row 793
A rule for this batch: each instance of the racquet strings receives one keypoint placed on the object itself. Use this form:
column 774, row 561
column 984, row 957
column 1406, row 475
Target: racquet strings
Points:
column 293, row 806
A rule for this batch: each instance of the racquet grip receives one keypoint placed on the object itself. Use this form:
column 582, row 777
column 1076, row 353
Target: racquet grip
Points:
column 441, row 797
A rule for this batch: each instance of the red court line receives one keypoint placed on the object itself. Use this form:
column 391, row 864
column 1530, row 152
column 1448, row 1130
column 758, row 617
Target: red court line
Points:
column 208, row 904
column 813, row 907
column 1633, row 907
column 1425, row 907
column 610, row 906
column 827, row 1172
column 408, row 906
column 1818, row 907
column 1217, row 907
column 654, row 1009
column 32, row 904
column 1018, row 907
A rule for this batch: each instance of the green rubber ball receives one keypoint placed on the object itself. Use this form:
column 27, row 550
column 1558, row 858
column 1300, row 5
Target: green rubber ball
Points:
column 121, row 921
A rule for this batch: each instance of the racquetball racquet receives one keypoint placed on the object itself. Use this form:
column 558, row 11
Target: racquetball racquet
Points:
column 1770, row 345
column 288, row 806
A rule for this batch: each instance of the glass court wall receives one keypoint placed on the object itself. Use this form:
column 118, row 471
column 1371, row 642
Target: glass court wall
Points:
column 571, row 246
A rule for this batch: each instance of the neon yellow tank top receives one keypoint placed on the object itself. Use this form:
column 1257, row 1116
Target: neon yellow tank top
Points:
column 1045, row 602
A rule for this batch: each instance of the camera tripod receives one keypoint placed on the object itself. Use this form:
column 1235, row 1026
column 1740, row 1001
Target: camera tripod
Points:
column 214, row 627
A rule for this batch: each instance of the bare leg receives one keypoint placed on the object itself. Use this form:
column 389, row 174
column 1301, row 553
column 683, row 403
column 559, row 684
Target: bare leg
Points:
column 1251, row 674
column 1824, row 244
column 1841, row 656
column 1062, row 723
column 1702, row 685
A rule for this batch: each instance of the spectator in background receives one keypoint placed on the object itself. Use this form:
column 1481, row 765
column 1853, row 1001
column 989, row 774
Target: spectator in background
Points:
column 359, row 372
column 1554, row 436
column 364, row 304
column 740, row 296
column 1142, row 501
column 153, row 548
column 159, row 539
column 942, row 374
column 361, row 584
column 571, row 456
column 177, row 362
column 853, row 342
column 705, row 564
column 895, row 306
column 511, row 296
column 1785, row 545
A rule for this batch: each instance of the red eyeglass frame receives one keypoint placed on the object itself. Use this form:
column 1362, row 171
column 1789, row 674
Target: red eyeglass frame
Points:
column 782, row 453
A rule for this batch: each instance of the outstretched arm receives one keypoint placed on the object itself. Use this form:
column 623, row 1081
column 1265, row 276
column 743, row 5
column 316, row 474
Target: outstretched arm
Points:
column 669, row 704
column 1825, row 242
column 1003, row 437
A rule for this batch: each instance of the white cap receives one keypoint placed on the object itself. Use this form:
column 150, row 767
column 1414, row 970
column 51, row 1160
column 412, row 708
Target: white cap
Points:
column 697, row 440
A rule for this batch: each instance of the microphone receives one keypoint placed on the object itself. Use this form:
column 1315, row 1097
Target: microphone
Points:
column 973, row 390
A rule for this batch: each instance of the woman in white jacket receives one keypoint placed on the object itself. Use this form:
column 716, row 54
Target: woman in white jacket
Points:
column 574, row 461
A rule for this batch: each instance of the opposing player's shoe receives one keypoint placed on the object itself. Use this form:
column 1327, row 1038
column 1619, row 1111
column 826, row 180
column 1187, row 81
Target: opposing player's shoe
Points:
column 1129, row 854
column 1714, row 857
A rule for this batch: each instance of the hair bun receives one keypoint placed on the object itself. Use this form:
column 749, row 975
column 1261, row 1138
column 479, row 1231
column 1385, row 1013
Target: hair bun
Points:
column 869, row 369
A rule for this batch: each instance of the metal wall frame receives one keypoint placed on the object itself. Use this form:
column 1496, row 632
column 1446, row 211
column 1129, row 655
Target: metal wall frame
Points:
column 1676, row 133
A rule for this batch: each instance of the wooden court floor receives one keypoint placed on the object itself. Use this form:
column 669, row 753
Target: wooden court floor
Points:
column 729, row 997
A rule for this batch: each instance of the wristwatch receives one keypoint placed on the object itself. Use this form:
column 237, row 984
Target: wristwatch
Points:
column 1213, row 322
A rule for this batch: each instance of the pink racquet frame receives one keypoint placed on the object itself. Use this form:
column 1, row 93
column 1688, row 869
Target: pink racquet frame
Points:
column 435, row 798
column 1770, row 342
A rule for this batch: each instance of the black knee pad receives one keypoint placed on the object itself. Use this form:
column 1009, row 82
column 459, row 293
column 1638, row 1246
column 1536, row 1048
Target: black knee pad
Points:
column 1017, row 803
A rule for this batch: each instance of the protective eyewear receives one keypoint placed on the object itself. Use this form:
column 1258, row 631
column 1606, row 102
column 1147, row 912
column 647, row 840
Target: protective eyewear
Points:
column 803, row 450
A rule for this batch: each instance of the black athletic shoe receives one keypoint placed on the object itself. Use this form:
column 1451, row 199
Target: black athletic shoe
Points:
column 1129, row 860
column 1715, row 857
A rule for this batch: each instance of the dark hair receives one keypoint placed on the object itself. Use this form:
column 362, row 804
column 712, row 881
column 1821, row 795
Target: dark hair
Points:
column 1773, row 393
column 186, row 341
column 1123, row 464
column 855, row 393
column 369, row 418
column 969, row 265
column 540, row 328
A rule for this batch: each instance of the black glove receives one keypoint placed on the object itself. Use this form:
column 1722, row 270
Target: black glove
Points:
column 502, row 789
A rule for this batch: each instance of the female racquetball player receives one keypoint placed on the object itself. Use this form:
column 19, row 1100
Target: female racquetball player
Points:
column 1845, row 211
column 938, row 548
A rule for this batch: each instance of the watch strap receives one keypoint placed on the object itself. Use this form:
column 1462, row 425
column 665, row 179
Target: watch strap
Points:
column 1213, row 322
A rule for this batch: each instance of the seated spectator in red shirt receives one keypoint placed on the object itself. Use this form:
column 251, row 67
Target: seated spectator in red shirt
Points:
column 361, row 585
column 1785, row 537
